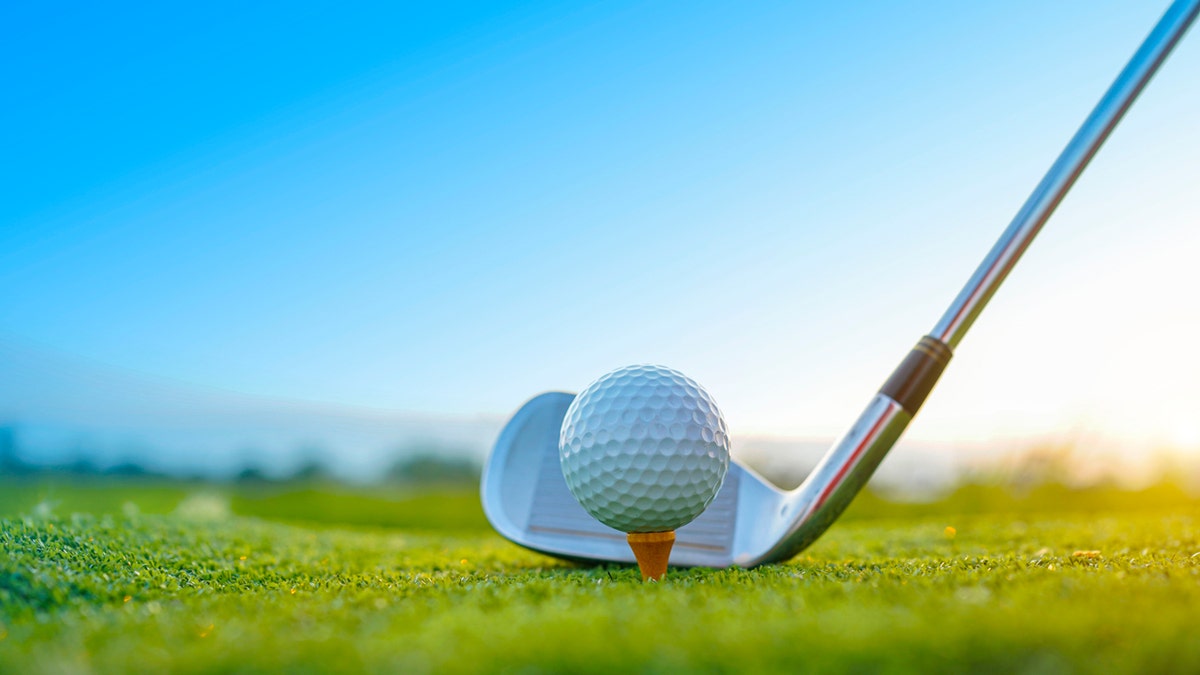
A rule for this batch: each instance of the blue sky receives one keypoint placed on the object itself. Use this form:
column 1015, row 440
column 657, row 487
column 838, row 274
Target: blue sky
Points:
column 443, row 209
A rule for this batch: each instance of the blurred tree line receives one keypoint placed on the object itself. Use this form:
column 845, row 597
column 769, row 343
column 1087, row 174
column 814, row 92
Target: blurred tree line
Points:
column 414, row 465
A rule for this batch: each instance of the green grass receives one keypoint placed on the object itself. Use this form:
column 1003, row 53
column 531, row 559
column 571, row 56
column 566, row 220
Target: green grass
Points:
column 199, row 588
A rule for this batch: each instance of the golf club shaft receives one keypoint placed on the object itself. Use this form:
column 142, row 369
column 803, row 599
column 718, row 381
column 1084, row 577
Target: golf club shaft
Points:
column 846, row 468
column 1062, row 174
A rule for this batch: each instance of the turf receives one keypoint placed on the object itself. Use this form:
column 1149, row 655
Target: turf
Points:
column 201, row 589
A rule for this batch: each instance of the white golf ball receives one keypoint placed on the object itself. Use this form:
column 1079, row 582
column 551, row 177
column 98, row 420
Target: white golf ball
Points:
column 644, row 449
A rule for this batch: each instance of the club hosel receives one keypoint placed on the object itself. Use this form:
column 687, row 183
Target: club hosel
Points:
column 811, row 508
column 830, row 487
column 914, row 378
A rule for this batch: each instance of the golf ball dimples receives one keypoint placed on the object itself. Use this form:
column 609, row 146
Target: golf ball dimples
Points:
column 644, row 449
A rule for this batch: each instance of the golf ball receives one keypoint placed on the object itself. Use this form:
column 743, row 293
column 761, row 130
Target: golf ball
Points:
column 644, row 449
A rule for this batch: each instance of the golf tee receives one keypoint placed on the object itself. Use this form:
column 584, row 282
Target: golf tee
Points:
column 652, row 550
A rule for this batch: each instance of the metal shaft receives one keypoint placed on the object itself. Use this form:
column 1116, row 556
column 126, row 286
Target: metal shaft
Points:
column 810, row 509
column 1061, row 176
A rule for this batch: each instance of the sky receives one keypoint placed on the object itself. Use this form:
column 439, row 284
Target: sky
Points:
column 442, row 209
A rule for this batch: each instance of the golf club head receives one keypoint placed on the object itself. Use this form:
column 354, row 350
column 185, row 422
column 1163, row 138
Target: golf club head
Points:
column 527, row 500
column 750, row 521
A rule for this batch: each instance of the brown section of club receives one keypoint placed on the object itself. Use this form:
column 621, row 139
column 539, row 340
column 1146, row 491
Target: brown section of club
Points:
column 652, row 550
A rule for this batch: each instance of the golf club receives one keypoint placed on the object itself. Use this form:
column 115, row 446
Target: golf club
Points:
column 752, row 522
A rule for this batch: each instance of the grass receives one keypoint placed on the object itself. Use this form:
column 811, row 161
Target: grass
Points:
column 199, row 588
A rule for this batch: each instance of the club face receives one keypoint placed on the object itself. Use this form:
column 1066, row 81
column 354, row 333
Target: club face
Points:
column 527, row 500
